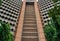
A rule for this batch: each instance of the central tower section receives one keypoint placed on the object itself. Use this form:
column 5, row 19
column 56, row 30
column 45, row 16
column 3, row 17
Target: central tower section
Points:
column 30, row 0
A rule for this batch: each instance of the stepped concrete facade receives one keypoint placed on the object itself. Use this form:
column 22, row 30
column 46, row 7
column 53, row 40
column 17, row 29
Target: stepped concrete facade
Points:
column 9, row 12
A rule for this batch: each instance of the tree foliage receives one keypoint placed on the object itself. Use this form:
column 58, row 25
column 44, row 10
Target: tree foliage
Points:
column 52, row 31
column 5, row 34
column 55, row 0
column 0, row 2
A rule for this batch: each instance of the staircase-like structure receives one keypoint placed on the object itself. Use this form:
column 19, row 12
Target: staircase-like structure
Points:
column 29, row 26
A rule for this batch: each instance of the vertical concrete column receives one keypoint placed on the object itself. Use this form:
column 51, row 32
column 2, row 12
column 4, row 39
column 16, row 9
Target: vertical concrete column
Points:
column 41, row 35
column 18, row 35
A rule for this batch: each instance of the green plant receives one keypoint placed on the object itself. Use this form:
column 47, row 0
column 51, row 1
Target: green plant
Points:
column 0, row 2
column 52, row 31
column 5, row 34
column 55, row 0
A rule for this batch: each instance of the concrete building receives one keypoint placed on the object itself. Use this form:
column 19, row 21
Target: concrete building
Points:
column 44, row 6
column 29, row 0
column 9, row 12
column 26, row 18
column 30, row 26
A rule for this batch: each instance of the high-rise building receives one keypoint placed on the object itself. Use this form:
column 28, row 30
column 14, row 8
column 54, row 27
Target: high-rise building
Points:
column 30, row 26
column 9, row 12
column 29, row 0
column 44, row 7
column 27, row 18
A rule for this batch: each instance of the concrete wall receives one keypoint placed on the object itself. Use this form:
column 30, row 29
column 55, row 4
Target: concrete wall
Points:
column 44, row 6
column 9, row 12
column 29, row 0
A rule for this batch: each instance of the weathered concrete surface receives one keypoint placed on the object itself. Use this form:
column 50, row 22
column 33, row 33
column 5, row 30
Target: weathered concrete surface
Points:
column 20, row 24
column 39, row 23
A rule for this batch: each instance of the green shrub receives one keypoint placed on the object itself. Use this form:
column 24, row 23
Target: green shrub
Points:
column 5, row 34
column 0, row 2
column 50, row 32
column 55, row 0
